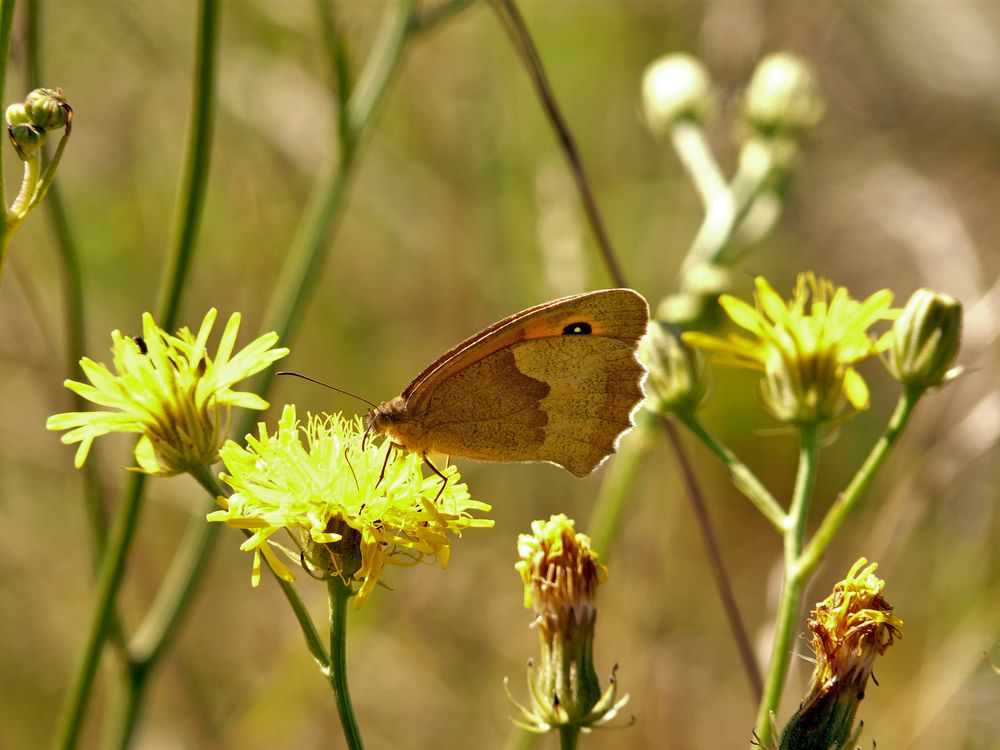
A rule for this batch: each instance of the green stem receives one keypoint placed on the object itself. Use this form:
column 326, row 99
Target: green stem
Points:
column 18, row 209
column 569, row 734
column 339, row 595
column 6, row 26
column 517, row 30
column 850, row 497
column 793, row 583
column 109, row 577
column 617, row 484
column 697, row 158
column 196, row 162
column 739, row 474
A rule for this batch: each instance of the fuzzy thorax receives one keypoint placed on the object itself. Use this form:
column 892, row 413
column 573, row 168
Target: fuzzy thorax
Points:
column 390, row 419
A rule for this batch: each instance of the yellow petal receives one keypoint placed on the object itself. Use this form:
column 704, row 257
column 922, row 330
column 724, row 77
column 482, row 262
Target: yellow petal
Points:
column 741, row 313
column 855, row 389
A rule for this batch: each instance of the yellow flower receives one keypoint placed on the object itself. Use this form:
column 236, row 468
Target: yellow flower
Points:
column 850, row 628
column 316, row 482
column 561, row 574
column 167, row 389
column 806, row 348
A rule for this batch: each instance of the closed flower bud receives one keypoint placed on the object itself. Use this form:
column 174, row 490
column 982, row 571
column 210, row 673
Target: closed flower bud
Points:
column 26, row 139
column 675, row 87
column 925, row 340
column 16, row 114
column 783, row 97
column 48, row 109
column 676, row 380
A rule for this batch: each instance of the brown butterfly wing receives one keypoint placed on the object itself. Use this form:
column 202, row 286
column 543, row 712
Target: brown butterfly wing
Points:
column 557, row 382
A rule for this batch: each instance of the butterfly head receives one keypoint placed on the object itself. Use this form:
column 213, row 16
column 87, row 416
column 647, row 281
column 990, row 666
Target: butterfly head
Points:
column 382, row 418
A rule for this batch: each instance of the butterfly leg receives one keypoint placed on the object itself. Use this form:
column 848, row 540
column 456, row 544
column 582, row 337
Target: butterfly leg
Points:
column 444, row 479
column 385, row 463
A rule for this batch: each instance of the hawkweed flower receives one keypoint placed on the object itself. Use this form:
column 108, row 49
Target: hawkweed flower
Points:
column 170, row 391
column 345, row 519
column 561, row 574
column 925, row 340
column 676, row 373
column 675, row 87
column 806, row 348
column 850, row 628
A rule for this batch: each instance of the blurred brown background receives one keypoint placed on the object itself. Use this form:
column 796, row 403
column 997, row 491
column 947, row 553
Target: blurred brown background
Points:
column 461, row 212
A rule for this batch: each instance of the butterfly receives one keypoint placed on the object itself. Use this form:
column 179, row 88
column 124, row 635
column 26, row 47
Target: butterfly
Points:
column 557, row 382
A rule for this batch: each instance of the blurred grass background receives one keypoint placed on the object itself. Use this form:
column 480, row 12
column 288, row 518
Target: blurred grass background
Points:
column 461, row 212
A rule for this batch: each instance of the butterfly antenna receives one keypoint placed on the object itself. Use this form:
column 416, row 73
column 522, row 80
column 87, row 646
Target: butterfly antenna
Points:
column 327, row 385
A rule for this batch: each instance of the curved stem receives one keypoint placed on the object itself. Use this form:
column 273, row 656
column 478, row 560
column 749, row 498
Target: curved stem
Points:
column 339, row 595
column 18, row 209
column 696, row 155
column 194, row 183
column 849, row 498
column 793, row 583
column 722, row 580
column 515, row 27
column 739, row 474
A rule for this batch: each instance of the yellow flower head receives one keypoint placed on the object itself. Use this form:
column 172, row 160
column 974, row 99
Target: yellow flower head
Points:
column 167, row 389
column 561, row 573
column 316, row 482
column 850, row 628
column 806, row 348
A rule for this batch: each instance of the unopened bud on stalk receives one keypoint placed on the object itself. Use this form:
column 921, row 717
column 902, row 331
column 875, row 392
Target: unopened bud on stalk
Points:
column 925, row 340
column 783, row 97
column 675, row 87
column 26, row 139
column 48, row 109
column 676, row 380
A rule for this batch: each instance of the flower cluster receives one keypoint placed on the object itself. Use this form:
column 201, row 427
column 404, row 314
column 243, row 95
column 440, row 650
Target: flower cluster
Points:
column 348, row 509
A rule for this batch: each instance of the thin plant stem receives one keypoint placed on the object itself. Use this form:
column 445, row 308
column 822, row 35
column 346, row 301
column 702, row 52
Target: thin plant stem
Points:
column 427, row 18
column 793, row 582
column 196, row 164
column 339, row 594
column 849, row 498
column 111, row 571
column 109, row 577
column 722, row 579
column 620, row 476
column 517, row 30
column 696, row 156
column 569, row 735
column 739, row 474
column 6, row 24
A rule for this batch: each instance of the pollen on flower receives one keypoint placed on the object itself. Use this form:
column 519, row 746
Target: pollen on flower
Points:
column 170, row 391
column 806, row 348
column 317, row 483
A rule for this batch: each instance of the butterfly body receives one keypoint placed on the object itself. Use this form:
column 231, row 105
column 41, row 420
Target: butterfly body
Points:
column 557, row 382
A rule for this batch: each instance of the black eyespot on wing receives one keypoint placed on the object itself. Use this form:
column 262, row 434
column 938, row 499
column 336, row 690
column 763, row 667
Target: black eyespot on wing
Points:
column 577, row 329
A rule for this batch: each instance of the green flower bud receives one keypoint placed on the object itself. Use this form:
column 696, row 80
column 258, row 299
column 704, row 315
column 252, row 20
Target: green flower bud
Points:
column 783, row 96
column 675, row 87
column 48, row 109
column 27, row 139
column 925, row 340
column 17, row 115
column 676, row 380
